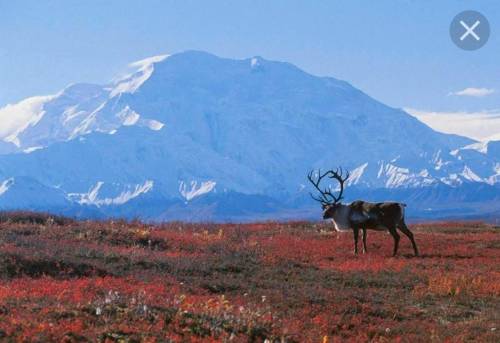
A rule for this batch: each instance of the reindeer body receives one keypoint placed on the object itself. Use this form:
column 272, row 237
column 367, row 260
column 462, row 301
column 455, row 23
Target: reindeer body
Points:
column 362, row 215
column 376, row 216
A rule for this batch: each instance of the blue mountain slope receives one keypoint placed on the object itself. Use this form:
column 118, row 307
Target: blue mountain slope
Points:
column 196, row 128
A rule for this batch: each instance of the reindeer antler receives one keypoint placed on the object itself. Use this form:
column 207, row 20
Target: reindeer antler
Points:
column 326, row 196
column 338, row 176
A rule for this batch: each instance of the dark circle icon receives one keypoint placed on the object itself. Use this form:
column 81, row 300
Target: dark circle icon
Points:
column 469, row 30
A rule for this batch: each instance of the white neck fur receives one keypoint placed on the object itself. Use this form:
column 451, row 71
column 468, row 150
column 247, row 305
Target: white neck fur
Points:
column 341, row 218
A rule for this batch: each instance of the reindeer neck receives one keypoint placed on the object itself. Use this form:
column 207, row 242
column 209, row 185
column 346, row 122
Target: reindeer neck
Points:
column 341, row 218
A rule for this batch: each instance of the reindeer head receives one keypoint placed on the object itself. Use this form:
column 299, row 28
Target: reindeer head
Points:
column 329, row 202
column 329, row 210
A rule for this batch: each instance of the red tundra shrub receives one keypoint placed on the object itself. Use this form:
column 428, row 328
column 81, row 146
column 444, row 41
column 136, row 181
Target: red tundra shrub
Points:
column 115, row 281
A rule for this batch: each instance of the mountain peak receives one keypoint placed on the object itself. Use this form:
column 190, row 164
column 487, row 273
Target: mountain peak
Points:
column 143, row 71
column 146, row 62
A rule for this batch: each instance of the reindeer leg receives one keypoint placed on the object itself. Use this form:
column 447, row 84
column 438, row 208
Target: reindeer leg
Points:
column 355, row 230
column 395, row 235
column 364, row 241
column 404, row 229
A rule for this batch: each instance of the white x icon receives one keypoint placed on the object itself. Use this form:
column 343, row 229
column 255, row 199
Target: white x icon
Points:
column 470, row 30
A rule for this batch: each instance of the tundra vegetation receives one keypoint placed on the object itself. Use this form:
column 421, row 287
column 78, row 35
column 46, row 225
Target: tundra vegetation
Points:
column 117, row 281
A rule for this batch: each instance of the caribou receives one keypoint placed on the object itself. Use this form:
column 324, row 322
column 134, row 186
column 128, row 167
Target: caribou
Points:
column 359, row 215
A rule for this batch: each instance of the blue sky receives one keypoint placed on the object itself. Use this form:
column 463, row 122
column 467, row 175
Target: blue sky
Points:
column 395, row 50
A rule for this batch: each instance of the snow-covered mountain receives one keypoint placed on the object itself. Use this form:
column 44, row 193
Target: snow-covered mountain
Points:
column 195, row 136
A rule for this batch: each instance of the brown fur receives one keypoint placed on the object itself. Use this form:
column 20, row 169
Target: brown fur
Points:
column 359, row 215
column 380, row 216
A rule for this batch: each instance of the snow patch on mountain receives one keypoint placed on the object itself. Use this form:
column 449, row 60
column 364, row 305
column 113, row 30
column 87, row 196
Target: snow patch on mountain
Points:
column 85, row 126
column 452, row 180
column 5, row 185
column 356, row 174
column 128, row 116
column 396, row 176
column 495, row 178
column 481, row 147
column 88, row 198
column 438, row 161
column 468, row 174
column 128, row 195
column 32, row 149
column 71, row 113
column 152, row 124
column 91, row 197
column 131, row 82
column 192, row 190
column 14, row 119
column 255, row 62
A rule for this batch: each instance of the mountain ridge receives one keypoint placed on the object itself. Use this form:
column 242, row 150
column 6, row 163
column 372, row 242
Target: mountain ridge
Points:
column 192, row 125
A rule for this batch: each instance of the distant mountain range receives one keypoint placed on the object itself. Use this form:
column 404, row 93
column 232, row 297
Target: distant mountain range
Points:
column 193, row 136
